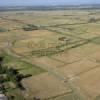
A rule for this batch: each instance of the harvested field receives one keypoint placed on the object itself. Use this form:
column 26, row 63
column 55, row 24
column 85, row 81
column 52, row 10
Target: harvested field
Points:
column 79, row 67
column 46, row 86
column 46, row 61
column 89, row 83
column 67, row 57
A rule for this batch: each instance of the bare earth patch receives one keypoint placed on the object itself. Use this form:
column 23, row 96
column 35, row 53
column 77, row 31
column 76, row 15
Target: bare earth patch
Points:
column 45, row 86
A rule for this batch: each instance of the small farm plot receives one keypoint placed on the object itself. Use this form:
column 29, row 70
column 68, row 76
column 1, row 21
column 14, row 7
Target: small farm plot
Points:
column 4, row 37
column 67, row 57
column 85, row 49
column 47, row 62
column 89, row 83
column 2, row 45
column 45, row 86
column 73, row 29
column 95, row 56
column 78, row 68
column 79, row 52
column 22, row 66
column 9, row 24
column 69, row 96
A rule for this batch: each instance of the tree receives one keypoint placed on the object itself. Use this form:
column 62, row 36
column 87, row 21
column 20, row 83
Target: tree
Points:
column 1, row 60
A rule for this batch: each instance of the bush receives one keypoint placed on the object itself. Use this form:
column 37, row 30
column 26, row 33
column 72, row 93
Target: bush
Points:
column 30, row 27
column 2, row 30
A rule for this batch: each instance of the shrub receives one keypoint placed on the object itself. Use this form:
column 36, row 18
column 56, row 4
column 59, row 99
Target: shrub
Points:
column 2, row 30
column 30, row 27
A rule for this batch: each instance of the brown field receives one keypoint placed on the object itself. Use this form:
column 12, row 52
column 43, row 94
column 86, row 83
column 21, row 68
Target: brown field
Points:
column 74, row 69
column 46, row 86
column 89, row 83
column 62, row 54
column 48, row 62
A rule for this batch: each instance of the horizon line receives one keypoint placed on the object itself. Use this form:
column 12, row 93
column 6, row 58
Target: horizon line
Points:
column 50, row 5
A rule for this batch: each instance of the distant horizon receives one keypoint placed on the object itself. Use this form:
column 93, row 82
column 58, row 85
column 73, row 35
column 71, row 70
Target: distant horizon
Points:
column 46, row 2
column 47, row 5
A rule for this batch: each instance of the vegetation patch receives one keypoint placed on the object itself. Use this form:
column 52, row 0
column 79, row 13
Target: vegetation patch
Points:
column 3, row 30
column 23, row 67
column 58, row 49
column 98, row 97
column 96, row 40
column 30, row 27
column 12, row 71
column 7, row 76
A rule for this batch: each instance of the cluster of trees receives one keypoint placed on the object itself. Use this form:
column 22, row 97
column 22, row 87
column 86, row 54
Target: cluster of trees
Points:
column 10, row 74
column 30, row 27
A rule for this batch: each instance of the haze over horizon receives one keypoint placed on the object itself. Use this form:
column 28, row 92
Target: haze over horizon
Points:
column 46, row 2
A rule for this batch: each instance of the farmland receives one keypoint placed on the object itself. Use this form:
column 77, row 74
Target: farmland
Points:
column 58, row 50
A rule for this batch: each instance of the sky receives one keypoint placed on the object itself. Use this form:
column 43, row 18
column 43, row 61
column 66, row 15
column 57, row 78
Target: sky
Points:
column 46, row 2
